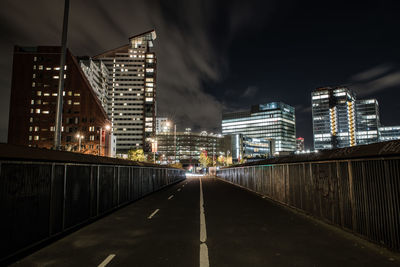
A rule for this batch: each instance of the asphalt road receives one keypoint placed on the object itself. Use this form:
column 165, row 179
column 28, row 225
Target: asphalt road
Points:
column 220, row 225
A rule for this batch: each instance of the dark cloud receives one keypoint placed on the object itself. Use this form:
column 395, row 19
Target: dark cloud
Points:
column 250, row 91
column 372, row 81
column 188, row 57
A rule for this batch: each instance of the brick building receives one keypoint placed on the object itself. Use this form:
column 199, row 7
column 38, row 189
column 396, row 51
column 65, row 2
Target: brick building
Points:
column 33, row 103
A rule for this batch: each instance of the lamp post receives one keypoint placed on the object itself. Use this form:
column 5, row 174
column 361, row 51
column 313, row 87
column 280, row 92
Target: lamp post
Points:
column 80, row 137
column 107, row 128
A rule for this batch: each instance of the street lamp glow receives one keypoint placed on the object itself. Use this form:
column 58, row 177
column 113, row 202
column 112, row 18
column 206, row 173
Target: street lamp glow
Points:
column 108, row 127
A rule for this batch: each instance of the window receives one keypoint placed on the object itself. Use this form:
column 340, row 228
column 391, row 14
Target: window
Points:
column 69, row 102
column 91, row 128
column 39, row 93
column 32, row 102
column 45, row 112
column 33, row 84
column 77, row 103
column 38, row 110
column 77, row 94
column 30, row 128
column 91, row 137
column 40, row 67
column 70, row 93
column 36, row 137
column 36, row 128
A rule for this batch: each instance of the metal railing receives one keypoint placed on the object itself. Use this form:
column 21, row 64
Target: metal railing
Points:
column 361, row 195
column 40, row 200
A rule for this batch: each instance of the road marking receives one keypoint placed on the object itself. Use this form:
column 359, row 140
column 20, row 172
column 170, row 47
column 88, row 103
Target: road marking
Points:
column 178, row 189
column 154, row 213
column 204, row 262
column 171, row 196
column 107, row 260
column 204, row 255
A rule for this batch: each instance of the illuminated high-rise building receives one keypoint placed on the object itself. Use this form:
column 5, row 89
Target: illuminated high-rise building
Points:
column 334, row 122
column 367, row 121
column 132, row 92
column 274, row 120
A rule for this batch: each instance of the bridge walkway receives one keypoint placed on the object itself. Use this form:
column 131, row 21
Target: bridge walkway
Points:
column 233, row 227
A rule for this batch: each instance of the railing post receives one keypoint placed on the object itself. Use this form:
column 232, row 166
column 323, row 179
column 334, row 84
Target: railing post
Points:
column 351, row 192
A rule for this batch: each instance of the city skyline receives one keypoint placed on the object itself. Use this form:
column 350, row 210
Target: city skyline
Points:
column 204, row 61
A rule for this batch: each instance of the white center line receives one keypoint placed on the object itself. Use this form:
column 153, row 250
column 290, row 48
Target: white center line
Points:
column 178, row 189
column 204, row 262
column 107, row 260
column 171, row 196
column 154, row 213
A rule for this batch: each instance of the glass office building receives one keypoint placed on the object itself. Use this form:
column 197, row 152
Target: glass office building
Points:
column 274, row 120
column 367, row 125
column 250, row 149
column 389, row 133
column 333, row 112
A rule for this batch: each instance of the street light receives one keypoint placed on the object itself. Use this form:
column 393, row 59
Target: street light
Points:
column 80, row 137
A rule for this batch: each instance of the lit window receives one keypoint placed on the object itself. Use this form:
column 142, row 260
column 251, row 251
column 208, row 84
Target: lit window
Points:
column 45, row 112
column 38, row 110
column 32, row 110
column 77, row 103
column 48, row 68
column 56, row 77
column 77, row 94
column 91, row 137
column 36, row 128
column 38, row 101
column 33, row 84
column 70, row 93
column 149, row 99
column 35, row 59
column 54, row 94
column 34, row 75
column 31, row 119
column 30, row 138
column 40, row 67
column 39, row 93
column 32, row 102
column 46, row 94
column 30, row 128
column 69, row 102
column 34, row 67
column 36, row 137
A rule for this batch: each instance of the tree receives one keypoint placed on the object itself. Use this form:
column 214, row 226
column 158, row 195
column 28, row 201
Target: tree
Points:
column 221, row 160
column 177, row 165
column 204, row 160
column 136, row 155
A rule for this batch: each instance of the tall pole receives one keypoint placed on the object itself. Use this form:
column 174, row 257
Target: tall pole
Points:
column 57, row 133
column 175, row 140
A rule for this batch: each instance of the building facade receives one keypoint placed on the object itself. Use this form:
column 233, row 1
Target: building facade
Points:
column 389, row 133
column 33, row 103
column 274, row 120
column 163, row 125
column 299, row 144
column 245, row 148
column 186, row 147
column 132, row 92
column 333, row 113
column 97, row 75
column 367, row 121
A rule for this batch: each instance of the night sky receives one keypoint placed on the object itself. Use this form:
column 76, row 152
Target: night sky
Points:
column 216, row 56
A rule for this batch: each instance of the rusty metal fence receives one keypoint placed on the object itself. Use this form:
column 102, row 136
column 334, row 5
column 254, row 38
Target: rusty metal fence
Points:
column 39, row 200
column 360, row 195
